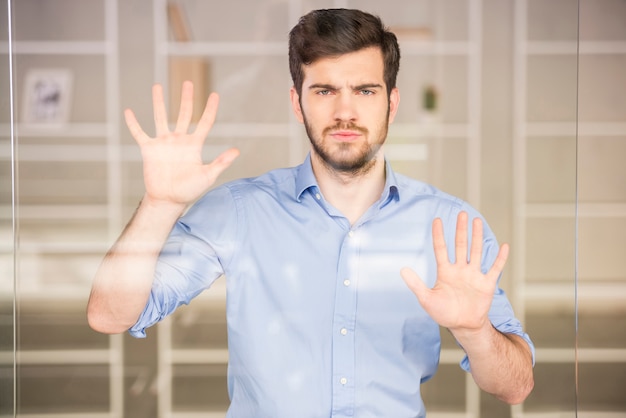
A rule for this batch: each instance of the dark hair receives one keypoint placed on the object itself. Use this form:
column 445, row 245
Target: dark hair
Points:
column 333, row 32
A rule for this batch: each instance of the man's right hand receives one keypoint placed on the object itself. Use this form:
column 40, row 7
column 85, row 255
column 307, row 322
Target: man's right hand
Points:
column 175, row 177
column 174, row 173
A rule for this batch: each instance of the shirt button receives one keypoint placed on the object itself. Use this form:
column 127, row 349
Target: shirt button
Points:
column 351, row 234
column 343, row 380
column 318, row 196
column 346, row 282
column 343, row 331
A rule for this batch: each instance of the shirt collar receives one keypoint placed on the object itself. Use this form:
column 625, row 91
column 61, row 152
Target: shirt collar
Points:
column 306, row 179
column 391, row 191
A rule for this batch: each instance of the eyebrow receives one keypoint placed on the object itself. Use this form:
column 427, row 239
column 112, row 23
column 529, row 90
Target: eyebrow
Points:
column 354, row 88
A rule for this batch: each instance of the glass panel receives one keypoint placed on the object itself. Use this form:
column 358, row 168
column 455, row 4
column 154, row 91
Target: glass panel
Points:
column 602, row 209
column 544, row 157
column 488, row 113
column 7, row 221
column 65, row 67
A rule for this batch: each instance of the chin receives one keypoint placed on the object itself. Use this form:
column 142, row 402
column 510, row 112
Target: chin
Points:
column 353, row 165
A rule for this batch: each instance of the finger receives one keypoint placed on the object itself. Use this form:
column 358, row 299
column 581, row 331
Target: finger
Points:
column 476, row 249
column 415, row 283
column 208, row 116
column 461, row 238
column 158, row 107
column 439, row 242
column 185, row 111
column 134, row 127
column 499, row 263
column 221, row 163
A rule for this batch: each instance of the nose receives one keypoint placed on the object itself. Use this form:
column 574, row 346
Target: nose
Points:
column 345, row 107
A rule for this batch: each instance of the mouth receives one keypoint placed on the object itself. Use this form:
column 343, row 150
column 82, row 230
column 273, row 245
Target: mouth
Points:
column 346, row 135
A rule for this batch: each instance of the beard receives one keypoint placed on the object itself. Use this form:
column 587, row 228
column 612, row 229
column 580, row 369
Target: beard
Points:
column 350, row 158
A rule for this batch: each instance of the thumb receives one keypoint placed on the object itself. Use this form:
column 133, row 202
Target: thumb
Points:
column 221, row 163
column 226, row 158
column 415, row 283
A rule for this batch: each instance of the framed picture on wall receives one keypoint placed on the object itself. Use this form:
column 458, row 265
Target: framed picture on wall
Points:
column 47, row 96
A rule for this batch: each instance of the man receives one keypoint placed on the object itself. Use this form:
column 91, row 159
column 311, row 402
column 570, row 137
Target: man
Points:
column 336, row 282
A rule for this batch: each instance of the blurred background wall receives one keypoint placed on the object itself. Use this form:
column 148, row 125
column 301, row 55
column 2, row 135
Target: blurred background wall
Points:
column 518, row 106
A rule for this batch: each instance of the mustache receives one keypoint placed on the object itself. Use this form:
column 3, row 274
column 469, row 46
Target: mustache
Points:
column 348, row 126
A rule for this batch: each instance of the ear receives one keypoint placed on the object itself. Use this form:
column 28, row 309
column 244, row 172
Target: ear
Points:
column 394, row 102
column 295, row 104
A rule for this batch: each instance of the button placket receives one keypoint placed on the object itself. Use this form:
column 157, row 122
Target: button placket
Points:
column 343, row 320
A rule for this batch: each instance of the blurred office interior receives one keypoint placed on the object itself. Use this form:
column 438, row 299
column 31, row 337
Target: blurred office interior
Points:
column 517, row 106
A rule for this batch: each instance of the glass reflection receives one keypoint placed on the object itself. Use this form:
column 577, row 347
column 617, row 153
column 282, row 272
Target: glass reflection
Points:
column 517, row 113
column 7, row 222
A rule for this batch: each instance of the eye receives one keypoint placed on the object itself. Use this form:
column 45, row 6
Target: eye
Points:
column 323, row 92
column 366, row 92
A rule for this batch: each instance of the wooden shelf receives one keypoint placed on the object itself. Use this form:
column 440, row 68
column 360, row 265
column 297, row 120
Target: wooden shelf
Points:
column 58, row 48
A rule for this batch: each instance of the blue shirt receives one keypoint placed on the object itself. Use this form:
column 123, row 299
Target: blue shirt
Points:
column 320, row 323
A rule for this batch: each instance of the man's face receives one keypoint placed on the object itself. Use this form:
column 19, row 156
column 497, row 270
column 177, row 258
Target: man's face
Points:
column 345, row 109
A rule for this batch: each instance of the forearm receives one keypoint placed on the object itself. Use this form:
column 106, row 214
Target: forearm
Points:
column 122, row 284
column 501, row 364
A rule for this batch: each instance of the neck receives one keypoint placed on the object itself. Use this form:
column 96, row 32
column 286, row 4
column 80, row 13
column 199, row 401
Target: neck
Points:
column 351, row 193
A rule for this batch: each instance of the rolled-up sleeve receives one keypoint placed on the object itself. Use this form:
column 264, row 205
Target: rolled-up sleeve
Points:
column 192, row 257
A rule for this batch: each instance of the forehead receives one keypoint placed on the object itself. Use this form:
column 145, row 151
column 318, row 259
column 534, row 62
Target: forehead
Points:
column 363, row 66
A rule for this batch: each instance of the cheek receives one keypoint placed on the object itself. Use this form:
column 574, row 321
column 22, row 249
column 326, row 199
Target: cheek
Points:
column 311, row 115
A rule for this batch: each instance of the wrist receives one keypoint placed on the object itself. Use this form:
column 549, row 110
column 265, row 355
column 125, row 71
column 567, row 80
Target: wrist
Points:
column 473, row 336
column 162, row 208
